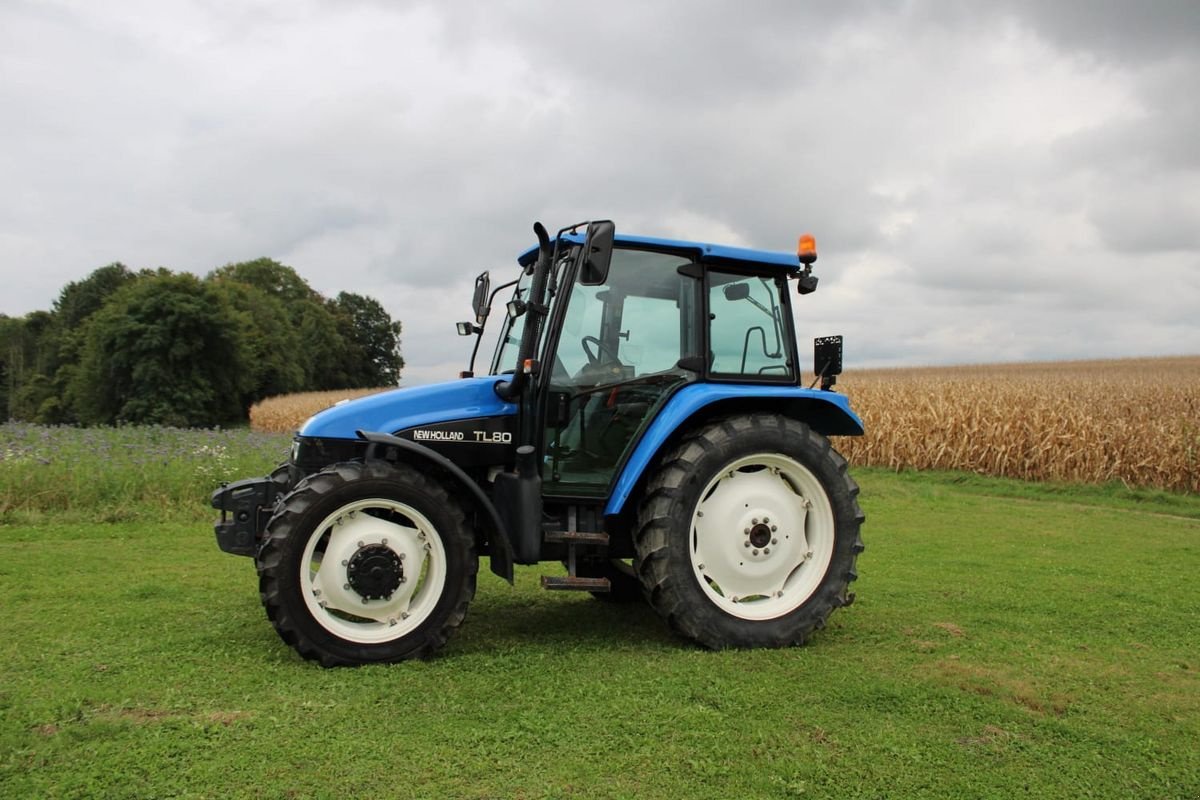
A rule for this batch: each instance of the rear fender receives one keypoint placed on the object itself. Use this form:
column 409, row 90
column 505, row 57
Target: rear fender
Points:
column 825, row 412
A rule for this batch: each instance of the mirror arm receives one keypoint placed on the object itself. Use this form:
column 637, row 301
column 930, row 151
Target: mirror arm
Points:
column 535, row 308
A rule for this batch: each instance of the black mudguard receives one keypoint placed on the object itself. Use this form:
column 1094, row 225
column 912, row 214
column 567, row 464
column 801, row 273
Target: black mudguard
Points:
column 500, row 545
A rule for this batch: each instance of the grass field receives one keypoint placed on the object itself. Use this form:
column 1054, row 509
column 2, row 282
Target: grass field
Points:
column 1009, row 639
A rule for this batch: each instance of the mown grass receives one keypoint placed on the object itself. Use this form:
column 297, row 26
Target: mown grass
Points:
column 1005, row 642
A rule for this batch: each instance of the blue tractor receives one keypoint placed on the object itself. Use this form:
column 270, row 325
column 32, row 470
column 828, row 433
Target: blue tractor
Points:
column 644, row 422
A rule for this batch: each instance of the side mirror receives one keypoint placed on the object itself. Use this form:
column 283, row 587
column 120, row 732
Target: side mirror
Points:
column 737, row 291
column 479, row 303
column 597, row 252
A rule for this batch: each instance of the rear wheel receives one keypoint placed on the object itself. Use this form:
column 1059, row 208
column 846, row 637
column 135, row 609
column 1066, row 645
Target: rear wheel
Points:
column 749, row 532
column 367, row 562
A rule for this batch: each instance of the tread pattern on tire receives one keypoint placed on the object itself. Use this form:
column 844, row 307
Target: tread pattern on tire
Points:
column 666, row 574
column 306, row 505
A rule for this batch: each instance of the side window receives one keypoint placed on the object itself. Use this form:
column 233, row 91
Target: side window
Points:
column 652, row 343
column 747, row 335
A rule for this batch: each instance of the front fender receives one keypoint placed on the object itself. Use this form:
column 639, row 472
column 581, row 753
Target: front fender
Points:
column 501, row 544
column 827, row 413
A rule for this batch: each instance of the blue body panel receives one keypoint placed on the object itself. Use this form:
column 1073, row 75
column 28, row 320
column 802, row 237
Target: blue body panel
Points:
column 836, row 418
column 706, row 252
column 398, row 409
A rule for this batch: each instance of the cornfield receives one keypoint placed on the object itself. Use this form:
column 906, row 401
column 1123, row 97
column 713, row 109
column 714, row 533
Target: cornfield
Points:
column 1135, row 421
column 287, row 412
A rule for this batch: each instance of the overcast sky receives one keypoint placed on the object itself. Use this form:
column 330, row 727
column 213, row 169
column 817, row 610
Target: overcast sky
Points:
column 994, row 181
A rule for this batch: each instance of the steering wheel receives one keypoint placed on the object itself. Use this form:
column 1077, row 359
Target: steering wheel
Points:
column 601, row 350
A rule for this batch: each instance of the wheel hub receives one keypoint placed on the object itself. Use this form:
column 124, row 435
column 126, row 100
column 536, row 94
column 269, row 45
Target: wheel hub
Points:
column 375, row 572
column 760, row 535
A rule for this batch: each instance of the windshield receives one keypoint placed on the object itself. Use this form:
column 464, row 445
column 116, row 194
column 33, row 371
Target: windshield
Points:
column 509, row 343
column 505, row 359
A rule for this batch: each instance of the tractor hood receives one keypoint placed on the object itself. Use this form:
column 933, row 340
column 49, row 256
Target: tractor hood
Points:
column 389, row 412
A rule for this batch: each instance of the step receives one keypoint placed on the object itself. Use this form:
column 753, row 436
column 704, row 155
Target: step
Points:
column 576, row 584
column 576, row 537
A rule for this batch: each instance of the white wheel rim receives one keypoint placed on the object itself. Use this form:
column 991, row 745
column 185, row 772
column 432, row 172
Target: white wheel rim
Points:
column 324, row 577
column 762, row 537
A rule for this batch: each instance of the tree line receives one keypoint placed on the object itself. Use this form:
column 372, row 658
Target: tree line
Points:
column 158, row 347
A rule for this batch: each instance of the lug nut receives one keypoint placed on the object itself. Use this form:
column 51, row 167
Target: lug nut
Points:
column 766, row 520
column 344, row 562
column 774, row 528
column 747, row 544
column 747, row 531
column 384, row 541
column 346, row 586
column 766, row 551
column 774, row 541
column 754, row 521
column 360, row 544
column 754, row 552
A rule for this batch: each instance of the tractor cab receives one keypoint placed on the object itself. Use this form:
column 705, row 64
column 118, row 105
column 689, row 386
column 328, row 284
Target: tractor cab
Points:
column 666, row 314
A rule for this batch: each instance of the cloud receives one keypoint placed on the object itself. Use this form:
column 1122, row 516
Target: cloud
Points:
column 1001, row 182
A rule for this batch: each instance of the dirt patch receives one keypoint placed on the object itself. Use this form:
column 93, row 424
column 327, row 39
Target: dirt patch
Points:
column 950, row 628
column 989, row 736
column 987, row 682
column 227, row 718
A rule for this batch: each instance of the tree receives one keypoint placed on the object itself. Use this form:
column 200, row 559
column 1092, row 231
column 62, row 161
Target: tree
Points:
column 12, row 361
column 78, row 300
column 322, row 351
column 29, row 347
column 373, row 338
column 267, row 274
column 269, row 346
column 162, row 350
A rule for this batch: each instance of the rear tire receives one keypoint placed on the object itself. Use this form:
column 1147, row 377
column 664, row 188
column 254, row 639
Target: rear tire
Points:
column 366, row 563
column 749, row 532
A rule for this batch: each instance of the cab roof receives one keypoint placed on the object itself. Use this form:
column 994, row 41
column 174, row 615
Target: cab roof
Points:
column 703, row 251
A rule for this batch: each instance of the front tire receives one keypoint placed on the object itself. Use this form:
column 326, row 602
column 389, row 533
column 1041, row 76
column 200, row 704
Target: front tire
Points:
column 367, row 563
column 749, row 532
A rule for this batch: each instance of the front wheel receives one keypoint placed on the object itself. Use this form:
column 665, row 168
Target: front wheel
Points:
column 749, row 532
column 365, row 563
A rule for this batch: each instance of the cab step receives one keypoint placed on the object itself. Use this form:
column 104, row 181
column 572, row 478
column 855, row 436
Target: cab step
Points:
column 576, row 537
column 575, row 583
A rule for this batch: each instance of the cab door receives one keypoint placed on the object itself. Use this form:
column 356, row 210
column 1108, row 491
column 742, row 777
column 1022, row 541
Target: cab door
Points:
column 616, row 358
